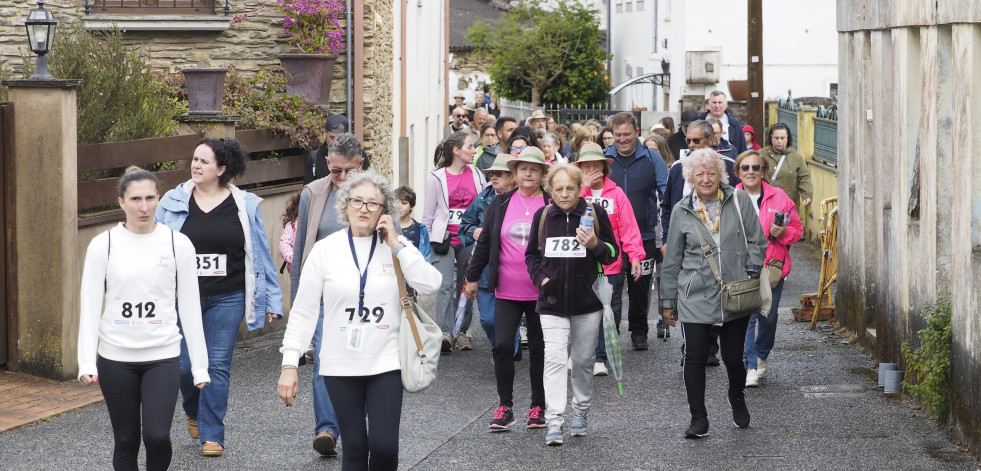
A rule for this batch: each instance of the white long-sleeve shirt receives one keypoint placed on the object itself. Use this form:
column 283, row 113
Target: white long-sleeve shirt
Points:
column 352, row 345
column 145, row 280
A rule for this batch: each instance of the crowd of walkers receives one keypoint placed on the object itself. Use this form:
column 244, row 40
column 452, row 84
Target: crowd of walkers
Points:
column 525, row 218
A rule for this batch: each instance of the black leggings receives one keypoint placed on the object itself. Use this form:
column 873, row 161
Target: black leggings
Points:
column 639, row 293
column 507, row 317
column 132, row 389
column 382, row 394
column 732, row 336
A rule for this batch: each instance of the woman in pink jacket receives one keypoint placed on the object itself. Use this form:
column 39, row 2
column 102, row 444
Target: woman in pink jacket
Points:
column 769, row 202
column 601, row 191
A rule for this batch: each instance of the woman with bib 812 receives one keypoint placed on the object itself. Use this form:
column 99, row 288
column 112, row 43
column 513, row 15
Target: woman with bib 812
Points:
column 236, row 274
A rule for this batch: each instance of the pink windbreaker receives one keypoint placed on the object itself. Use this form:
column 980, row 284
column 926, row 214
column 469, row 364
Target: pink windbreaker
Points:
column 624, row 225
column 774, row 200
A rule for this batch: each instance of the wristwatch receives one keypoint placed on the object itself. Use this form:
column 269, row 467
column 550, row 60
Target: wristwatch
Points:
column 398, row 247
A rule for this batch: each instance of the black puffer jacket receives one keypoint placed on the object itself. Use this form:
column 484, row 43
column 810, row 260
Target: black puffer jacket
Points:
column 569, row 290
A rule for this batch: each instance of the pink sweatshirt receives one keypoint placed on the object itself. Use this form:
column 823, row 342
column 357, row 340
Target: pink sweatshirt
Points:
column 775, row 200
column 286, row 245
column 623, row 220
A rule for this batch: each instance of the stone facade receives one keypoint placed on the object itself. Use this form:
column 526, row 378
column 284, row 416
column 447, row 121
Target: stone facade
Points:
column 250, row 46
column 468, row 71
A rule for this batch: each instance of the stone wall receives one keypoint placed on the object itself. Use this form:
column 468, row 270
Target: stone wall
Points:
column 249, row 46
column 468, row 72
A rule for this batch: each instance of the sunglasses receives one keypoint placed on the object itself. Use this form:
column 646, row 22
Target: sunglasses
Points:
column 459, row 116
column 695, row 140
column 745, row 168
column 493, row 174
column 518, row 148
column 338, row 171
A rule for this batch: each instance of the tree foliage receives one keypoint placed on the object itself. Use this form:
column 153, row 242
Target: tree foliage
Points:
column 545, row 53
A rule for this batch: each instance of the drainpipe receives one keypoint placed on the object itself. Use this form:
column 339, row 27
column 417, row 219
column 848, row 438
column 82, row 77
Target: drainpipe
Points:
column 347, row 63
column 609, row 42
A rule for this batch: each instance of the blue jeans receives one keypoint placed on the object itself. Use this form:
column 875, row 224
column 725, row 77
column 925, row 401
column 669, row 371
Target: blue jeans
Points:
column 761, row 332
column 323, row 410
column 485, row 304
column 614, row 280
column 221, row 315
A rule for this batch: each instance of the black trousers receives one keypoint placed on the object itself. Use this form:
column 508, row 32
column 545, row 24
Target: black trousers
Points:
column 135, row 389
column 732, row 336
column 507, row 317
column 379, row 398
column 638, row 292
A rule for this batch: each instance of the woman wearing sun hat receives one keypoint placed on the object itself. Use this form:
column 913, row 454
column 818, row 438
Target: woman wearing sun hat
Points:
column 601, row 191
column 501, row 248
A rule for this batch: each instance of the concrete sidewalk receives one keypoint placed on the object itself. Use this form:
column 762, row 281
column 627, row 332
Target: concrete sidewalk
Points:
column 446, row 426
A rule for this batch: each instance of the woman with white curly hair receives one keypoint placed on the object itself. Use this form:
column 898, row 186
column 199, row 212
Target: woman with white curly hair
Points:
column 359, row 360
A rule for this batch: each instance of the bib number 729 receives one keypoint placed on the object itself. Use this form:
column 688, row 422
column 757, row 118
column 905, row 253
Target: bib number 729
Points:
column 378, row 313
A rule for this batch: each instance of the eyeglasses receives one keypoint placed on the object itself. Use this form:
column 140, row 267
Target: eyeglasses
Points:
column 745, row 168
column 694, row 140
column 357, row 204
column 495, row 174
column 518, row 148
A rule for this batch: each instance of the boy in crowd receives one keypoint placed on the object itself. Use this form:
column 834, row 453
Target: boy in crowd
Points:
column 411, row 229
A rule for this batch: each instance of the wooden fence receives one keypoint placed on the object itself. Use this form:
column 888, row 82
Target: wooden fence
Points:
column 265, row 176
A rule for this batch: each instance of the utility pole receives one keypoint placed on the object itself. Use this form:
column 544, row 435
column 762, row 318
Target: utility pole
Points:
column 754, row 107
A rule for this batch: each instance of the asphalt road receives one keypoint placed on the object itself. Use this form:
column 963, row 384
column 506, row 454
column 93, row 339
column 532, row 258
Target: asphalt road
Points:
column 445, row 428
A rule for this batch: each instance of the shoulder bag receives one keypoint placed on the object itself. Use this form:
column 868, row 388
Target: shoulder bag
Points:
column 739, row 297
column 420, row 339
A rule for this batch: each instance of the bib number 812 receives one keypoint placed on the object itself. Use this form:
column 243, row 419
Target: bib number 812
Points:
column 143, row 310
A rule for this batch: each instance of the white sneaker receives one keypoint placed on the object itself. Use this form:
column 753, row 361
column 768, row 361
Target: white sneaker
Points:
column 569, row 364
column 599, row 369
column 752, row 379
column 761, row 366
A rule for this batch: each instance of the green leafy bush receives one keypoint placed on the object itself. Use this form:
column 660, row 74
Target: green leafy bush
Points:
column 929, row 364
column 120, row 97
column 261, row 102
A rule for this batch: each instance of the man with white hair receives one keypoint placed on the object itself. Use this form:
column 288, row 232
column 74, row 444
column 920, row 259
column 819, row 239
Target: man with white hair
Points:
column 538, row 122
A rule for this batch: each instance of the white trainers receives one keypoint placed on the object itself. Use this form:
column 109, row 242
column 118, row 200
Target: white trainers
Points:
column 761, row 366
column 599, row 369
column 752, row 379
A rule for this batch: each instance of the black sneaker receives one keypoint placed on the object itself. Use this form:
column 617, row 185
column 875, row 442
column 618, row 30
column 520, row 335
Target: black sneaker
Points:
column 713, row 360
column 661, row 329
column 447, row 346
column 698, row 428
column 740, row 414
column 639, row 341
column 535, row 419
column 503, row 418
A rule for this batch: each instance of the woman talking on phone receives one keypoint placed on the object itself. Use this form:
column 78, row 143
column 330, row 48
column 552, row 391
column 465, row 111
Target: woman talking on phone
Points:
column 351, row 272
column 236, row 275
column 145, row 274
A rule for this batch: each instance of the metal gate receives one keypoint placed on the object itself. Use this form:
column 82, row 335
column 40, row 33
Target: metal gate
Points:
column 8, row 329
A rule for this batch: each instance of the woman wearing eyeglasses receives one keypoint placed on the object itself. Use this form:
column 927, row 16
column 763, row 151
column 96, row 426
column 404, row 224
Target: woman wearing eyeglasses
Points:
column 236, row 275
column 781, row 232
column 350, row 274
column 451, row 187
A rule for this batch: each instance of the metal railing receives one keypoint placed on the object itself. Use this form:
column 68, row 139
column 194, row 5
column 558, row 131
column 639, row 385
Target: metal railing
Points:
column 150, row 7
column 562, row 113
column 787, row 112
column 826, row 134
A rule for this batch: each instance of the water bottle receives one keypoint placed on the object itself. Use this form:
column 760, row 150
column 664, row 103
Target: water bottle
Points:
column 586, row 221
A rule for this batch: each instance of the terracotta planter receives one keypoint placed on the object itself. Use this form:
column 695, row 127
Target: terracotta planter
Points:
column 205, row 90
column 309, row 76
column 739, row 90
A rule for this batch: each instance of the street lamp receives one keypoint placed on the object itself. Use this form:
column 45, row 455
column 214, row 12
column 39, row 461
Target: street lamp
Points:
column 40, row 34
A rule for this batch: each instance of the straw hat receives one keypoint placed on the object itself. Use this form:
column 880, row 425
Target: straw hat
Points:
column 500, row 163
column 538, row 114
column 590, row 152
column 530, row 154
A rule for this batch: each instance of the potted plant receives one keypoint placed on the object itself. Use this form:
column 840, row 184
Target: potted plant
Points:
column 205, row 89
column 312, row 29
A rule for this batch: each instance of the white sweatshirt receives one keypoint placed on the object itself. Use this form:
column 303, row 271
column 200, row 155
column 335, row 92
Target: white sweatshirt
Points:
column 137, row 278
column 352, row 347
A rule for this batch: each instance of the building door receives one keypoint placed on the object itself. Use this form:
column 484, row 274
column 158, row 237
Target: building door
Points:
column 7, row 318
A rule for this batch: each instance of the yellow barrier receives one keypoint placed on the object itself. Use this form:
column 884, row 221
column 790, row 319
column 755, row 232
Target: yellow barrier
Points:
column 829, row 254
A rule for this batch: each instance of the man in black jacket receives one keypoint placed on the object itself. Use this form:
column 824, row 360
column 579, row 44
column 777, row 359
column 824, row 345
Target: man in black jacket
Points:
column 677, row 141
column 315, row 167
column 732, row 131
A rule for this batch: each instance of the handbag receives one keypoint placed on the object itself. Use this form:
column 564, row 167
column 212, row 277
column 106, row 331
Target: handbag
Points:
column 420, row 339
column 441, row 248
column 741, row 296
column 774, row 272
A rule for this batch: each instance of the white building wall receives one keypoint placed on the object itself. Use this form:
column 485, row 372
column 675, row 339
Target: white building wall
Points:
column 800, row 45
column 632, row 45
column 425, row 89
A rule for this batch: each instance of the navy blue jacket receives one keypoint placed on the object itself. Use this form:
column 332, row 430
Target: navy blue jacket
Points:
column 736, row 136
column 472, row 219
column 642, row 178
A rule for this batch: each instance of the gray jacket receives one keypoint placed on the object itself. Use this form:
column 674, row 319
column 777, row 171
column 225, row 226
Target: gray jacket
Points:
column 687, row 282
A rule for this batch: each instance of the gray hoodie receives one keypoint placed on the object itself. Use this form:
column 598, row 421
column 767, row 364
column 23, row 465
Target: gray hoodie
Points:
column 687, row 282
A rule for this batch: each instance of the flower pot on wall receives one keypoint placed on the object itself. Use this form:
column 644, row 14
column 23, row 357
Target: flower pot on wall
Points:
column 309, row 76
column 739, row 90
column 205, row 89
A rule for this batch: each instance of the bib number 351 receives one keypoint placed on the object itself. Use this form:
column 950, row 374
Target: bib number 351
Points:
column 212, row 264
